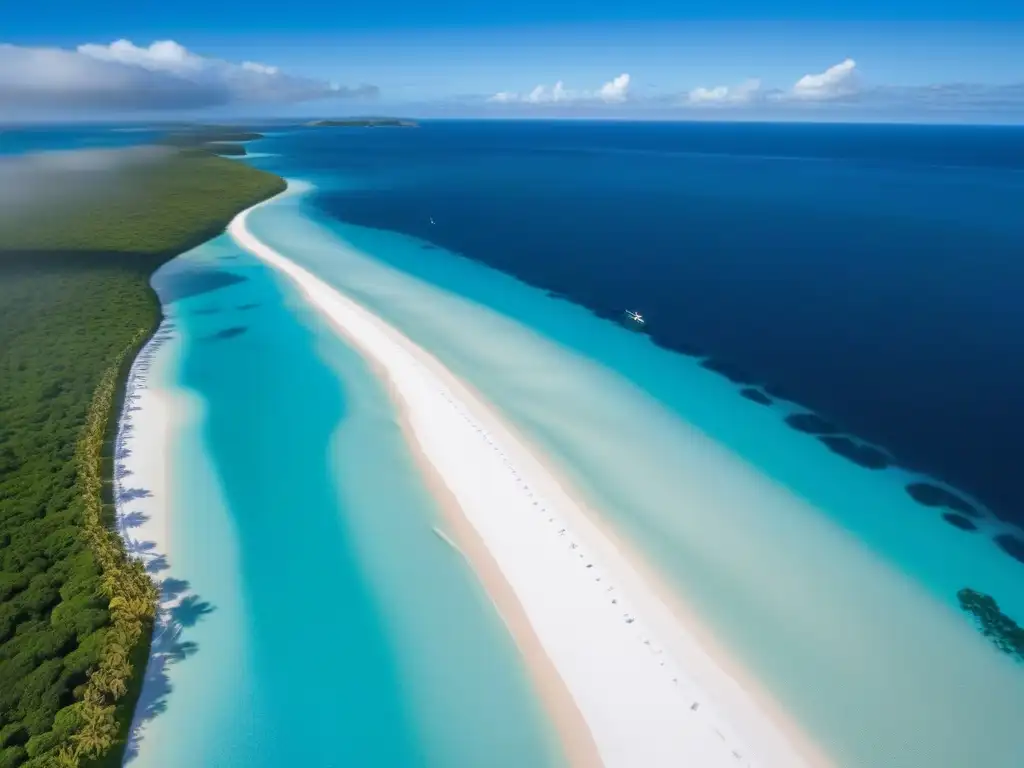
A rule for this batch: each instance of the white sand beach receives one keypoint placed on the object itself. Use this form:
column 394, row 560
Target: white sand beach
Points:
column 149, row 419
column 622, row 669
column 140, row 471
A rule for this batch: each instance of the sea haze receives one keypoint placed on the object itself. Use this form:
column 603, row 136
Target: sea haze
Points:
column 870, row 273
column 39, row 138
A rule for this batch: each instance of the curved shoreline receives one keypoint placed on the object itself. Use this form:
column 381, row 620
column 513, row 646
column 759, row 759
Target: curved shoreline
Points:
column 146, row 425
column 603, row 628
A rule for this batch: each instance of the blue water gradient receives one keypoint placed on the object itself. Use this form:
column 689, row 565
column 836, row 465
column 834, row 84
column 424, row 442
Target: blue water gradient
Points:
column 826, row 581
column 335, row 627
column 868, row 272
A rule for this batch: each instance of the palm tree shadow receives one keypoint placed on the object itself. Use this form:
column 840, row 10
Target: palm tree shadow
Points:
column 126, row 495
column 179, row 608
column 171, row 589
column 179, row 611
column 134, row 519
column 190, row 610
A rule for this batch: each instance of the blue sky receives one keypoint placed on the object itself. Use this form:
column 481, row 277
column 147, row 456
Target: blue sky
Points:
column 450, row 57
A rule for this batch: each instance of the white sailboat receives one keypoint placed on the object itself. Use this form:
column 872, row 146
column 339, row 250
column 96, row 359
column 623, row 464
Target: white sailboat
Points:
column 636, row 317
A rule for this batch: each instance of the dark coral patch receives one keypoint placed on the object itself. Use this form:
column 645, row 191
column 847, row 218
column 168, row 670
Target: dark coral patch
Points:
column 732, row 372
column 811, row 423
column 861, row 455
column 1004, row 632
column 247, row 306
column 207, row 311
column 228, row 333
column 1011, row 545
column 186, row 284
column 961, row 522
column 930, row 495
column 756, row 395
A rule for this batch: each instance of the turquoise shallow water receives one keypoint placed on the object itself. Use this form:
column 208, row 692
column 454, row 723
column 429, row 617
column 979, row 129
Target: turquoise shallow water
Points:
column 328, row 625
column 825, row 581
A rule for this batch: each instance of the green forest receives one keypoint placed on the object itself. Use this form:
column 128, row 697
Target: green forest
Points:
column 75, row 305
column 218, row 140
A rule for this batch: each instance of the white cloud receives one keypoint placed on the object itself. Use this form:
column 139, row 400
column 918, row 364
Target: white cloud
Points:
column 725, row 94
column 543, row 95
column 252, row 66
column 615, row 91
column 838, row 80
column 163, row 55
column 164, row 75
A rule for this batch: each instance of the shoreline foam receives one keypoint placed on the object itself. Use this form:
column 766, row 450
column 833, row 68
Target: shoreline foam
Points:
column 604, row 630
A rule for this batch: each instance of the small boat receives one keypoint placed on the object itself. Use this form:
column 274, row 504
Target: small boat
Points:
column 431, row 219
column 636, row 317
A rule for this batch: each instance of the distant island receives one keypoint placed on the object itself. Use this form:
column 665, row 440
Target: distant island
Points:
column 364, row 122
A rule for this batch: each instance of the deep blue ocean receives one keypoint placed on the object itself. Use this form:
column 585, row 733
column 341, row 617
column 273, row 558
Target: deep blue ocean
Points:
column 871, row 273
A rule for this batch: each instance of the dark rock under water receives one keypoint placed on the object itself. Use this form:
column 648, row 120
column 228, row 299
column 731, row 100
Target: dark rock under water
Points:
column 1004, row 632
column 1011, row 545
column 959, row 521
column 863, row 455
column 812, row 424
column 194, row 282
column 228, row 333
column 756, row 396
column 930, row 495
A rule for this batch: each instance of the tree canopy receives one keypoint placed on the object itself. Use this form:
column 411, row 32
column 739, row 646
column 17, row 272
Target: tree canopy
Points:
column 75, row 305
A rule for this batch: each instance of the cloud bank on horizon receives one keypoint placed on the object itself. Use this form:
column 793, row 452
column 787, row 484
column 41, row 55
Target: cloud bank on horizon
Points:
column 615, row 91
column 839, row 86
column 835, row 82
column 164, row 75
